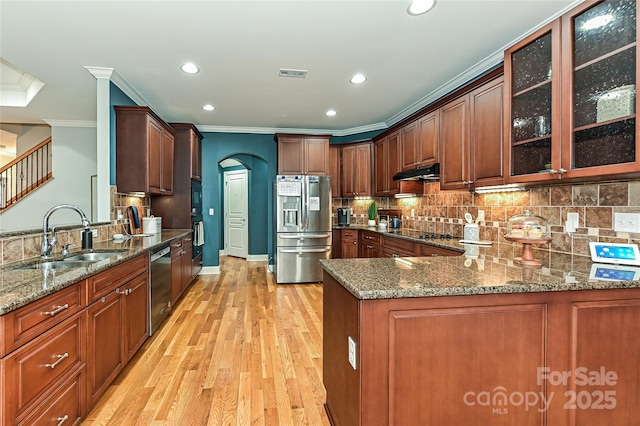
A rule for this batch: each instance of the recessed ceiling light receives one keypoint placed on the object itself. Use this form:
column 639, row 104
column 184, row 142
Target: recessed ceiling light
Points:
column 189, row 68
column 358, row 78
column 330, row 113
column 208, row 107
column 418, row 7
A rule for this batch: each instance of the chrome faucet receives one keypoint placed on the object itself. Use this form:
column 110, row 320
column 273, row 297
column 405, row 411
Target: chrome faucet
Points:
column 49, row 241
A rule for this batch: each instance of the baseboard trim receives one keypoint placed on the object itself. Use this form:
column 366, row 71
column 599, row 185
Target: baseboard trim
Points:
column 210, row 270
column 222, row 253
column 257, row 257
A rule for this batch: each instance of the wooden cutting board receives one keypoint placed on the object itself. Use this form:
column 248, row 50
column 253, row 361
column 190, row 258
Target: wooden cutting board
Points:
column 132, row 229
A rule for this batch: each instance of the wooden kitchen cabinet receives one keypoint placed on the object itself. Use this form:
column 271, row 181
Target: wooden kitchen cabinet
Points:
column 420, row 141
column 181, row 267
column 471, row 138
column 303, row 154
column 335, row 162
column 356, row 170
column 429, row 250
column 370, row 244
column 397, row 247
column 144, row 151
column 349, row 239
column 571, row 97
column 336, row 244
column 470, row 346
column 386, row 164
column 118, row 321
column 38, row 370
column 175, row 211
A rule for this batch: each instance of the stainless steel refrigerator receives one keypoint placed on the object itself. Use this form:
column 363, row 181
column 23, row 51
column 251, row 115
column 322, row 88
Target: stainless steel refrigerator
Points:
column 303, row 227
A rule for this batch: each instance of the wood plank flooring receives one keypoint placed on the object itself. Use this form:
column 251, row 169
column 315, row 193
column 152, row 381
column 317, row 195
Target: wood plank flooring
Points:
column 238, row 349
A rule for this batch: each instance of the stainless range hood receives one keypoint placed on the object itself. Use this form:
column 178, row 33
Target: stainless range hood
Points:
column 431, row 172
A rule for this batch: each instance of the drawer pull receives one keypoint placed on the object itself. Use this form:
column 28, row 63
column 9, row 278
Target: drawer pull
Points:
column 60, row 359
column 62, row 419
column 58, row 309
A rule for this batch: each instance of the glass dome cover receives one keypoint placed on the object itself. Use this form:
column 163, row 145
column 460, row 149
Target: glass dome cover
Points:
column 528, row 226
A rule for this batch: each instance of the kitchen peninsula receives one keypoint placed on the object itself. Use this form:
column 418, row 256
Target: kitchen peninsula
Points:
column 477, row 340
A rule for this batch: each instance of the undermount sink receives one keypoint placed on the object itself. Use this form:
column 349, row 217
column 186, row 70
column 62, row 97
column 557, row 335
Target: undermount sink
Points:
column 92, row 257
column 57, row 264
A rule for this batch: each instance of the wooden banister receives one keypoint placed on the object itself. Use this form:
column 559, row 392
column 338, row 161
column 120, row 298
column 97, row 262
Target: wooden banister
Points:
column 25, row 154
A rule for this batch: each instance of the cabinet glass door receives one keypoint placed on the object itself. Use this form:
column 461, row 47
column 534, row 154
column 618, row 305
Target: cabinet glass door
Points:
column 602, row 76
column 529, row 67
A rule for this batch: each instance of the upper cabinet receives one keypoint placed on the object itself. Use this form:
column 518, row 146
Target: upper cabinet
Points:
column 571, row 96
column 386, row 164
column 419, row 141
column 303, row 154
column 144, row 151
column 335, row 160
column 471, row 138
column 356, row 170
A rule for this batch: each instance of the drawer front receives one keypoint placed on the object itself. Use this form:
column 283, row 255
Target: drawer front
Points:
column 399, row 245
column 370, row 238
column 105, row 282
column 428, row 250
column 28, row 322
column 39, row 366
column 393, row 252
column 349, row 235
column 63, row 407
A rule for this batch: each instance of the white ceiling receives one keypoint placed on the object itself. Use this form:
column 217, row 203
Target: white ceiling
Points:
column 240, row 45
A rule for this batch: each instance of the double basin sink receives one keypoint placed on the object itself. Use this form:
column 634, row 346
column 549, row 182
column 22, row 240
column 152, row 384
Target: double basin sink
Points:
column 75, row 261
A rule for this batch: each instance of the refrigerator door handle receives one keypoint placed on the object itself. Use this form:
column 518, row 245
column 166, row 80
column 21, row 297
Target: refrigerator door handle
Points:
column 305, row 204
column 324, row 250
column 303, row 237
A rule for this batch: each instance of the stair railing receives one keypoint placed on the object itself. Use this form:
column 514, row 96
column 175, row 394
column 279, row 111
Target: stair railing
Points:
column 25, row 174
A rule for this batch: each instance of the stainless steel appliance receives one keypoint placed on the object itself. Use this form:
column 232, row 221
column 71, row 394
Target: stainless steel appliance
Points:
column 160, row 288
column 344, row 216
column 303, row 227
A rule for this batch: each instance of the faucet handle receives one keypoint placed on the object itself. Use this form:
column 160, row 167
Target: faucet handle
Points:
column 65, row 248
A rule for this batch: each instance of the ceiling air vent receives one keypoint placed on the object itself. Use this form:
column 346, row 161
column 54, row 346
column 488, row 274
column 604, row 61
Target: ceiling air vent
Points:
column 292, row 73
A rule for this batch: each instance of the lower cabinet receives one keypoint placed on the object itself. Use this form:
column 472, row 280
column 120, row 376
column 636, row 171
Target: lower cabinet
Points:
column 551, row 358
column 369, row 244
column 118, row 326
column 349, row 239
column 182, row 271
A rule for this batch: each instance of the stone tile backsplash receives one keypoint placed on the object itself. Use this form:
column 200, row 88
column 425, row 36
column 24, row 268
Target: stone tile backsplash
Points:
column 443, row 212
column 18, row 246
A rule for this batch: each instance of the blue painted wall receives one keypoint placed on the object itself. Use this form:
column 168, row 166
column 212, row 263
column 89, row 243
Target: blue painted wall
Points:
column 355, row 137
column 116, row 97
column 244, row 147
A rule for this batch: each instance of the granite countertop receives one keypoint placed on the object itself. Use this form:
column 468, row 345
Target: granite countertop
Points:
column 19, row 287
column 480, row 270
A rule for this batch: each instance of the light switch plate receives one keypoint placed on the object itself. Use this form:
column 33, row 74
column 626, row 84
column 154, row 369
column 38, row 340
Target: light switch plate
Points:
column 626, row 222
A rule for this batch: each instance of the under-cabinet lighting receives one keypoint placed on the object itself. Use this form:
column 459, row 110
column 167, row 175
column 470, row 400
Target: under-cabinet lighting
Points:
column 405, row 195
column 136, row 194
column 512, row 187
column 364, row 197
column 403, row 261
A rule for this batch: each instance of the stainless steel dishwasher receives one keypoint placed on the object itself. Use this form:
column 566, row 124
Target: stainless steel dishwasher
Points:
column 160, row 293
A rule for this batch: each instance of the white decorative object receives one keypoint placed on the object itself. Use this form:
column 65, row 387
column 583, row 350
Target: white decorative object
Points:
column 616, row 103
column 471, row 232
column 371, row 222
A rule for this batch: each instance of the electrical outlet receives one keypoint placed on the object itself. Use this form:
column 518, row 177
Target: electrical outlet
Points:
column 626, row 222
column 120, row 216
column 352, row 352
column 572, row 223
column 94, row 233
column 413, row 212
column 480, row 215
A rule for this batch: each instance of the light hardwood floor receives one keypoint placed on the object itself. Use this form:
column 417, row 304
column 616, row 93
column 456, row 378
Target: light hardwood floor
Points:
column 238, row 349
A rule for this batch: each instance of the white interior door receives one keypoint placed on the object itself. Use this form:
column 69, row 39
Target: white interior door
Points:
column 236, row 208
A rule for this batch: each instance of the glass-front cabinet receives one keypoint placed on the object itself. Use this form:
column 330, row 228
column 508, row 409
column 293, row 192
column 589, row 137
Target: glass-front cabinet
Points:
column 573, row 96
column 600, row 75
column 532, row 82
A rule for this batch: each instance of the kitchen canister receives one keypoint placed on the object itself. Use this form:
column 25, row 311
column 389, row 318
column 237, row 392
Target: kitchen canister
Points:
column 471, row 232
column 151, row 225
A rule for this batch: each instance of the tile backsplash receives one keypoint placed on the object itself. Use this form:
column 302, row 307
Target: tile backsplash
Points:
column 442, row 212
column 17, row 246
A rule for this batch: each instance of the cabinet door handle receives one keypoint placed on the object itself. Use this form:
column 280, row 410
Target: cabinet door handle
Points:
column 355, row 242
column 562, row 171
column 58, row 309
column 61, row 420
column 467, row 182
column 552, row 171
column 58, row 361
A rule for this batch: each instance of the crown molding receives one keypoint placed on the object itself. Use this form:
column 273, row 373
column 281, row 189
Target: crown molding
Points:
column 99, row 72
column 69, row 123
column 273, row 130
